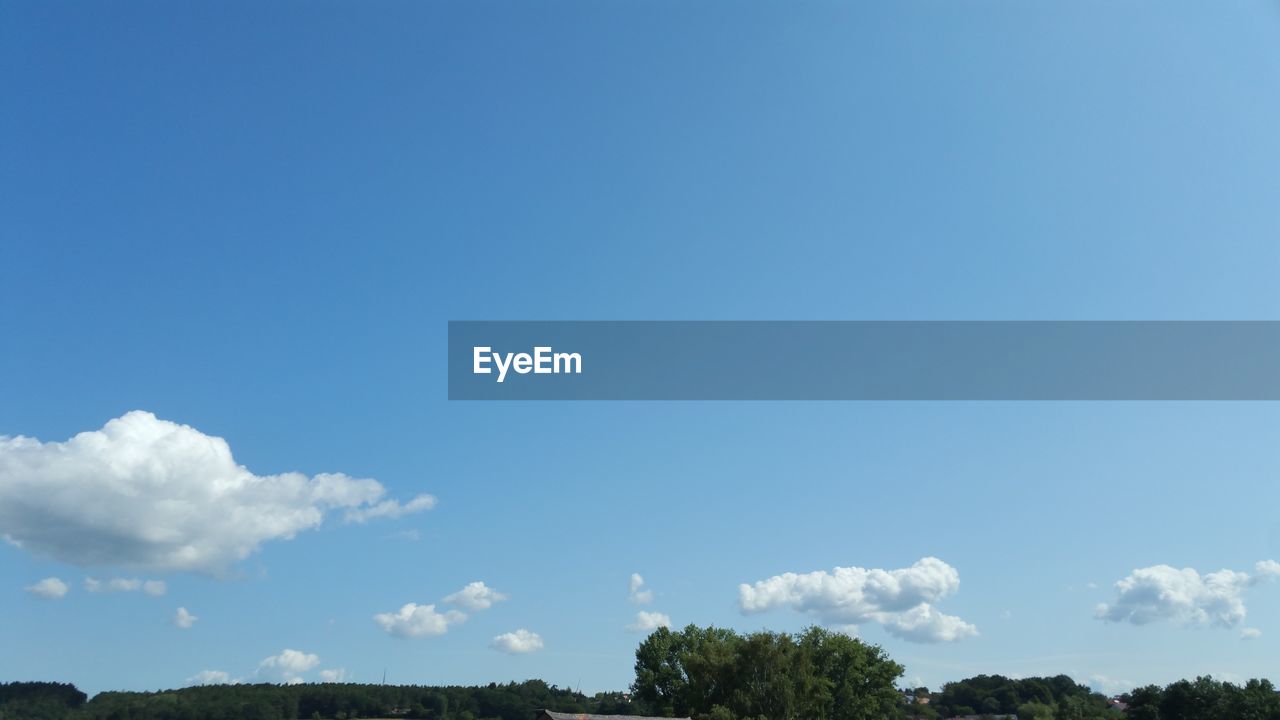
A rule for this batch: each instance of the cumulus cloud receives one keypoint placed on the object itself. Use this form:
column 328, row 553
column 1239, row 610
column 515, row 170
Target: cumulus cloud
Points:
column 210, row 677
column 336, row 675
column 475, row 597
column 413, row 620
column 649, row 621
column 1250, row 633
column 924, row 624
column 288, row 666
column 183, row 619
column 154, row 588
column 1184, row 596
column 148, row 493
column 900, row 600
column 518, row 643
column 639, row 595
column 50, row 588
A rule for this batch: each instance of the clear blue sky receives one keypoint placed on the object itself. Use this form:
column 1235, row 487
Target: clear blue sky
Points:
column 255, row 219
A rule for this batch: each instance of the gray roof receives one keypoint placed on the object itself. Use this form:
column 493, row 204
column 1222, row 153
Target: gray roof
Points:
column 585, row 716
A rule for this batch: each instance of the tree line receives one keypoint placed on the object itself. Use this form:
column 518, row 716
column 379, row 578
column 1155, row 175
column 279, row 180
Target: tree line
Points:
column 1205, row 699
column 704, row 673
column 318, row 701
column 1033, row 698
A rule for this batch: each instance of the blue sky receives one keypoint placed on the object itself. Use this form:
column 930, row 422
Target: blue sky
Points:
column 256, row 219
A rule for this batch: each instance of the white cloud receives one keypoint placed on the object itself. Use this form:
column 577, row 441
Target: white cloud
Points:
column 148, row 493
column 924, row 624
column 1109, row 686
column 1184, row 596
column 900, row 600
column 183, row 619
column 639, row 595
column 517, row 643
column 288, row 666
column 154, row 588
column 210, row 677
column 336, row 675
column 50, row 588
column 414, row 620
column 475, row 597
column 1250, row 633
column 649, row 621
column 390, row 509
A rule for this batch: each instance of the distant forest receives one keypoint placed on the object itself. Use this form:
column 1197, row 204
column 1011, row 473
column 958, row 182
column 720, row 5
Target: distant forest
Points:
column 703, row 673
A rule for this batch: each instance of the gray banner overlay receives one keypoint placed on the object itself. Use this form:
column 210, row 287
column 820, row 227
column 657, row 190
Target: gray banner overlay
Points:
column 864, row 360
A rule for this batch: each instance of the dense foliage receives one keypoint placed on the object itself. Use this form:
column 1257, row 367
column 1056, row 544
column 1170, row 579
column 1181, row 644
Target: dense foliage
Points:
column 347, row 701
column 38, row 700
column 716, row 674
column 1035, row 698
column 1205, row 699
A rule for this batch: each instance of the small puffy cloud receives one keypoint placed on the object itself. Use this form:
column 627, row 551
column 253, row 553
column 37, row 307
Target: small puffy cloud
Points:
column 649, row 621
column 288, row 666
column 50, row 588
column 336, row 675
column 518, row 643
column 183, row 619
column 210, row 677
column 413, row 620
column 1250, row 633
column 1184, row 596
column 475, row 597
column 639, row 595
column 924, row 624
column 1109, row 685
column 147, row 493
column 154, row 588
column 901, row 600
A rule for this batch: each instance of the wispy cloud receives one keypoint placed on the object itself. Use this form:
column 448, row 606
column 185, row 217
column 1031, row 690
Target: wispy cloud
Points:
column 154, row 588
column 211, row 677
